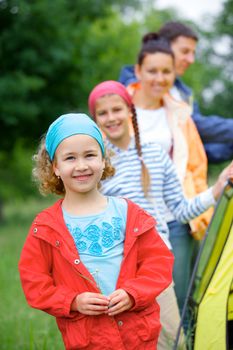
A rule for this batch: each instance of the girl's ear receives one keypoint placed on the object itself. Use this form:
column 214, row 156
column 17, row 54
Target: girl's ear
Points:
column 55, row 169
column 137, row 71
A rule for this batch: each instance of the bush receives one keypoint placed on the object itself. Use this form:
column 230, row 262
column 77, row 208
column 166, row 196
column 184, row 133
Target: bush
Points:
column 15, row 173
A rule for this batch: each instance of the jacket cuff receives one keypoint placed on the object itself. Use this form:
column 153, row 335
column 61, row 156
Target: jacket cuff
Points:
column 67, row 304
column 137, row 304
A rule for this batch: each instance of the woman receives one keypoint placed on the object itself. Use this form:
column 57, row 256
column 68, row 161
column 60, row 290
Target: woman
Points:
column 167, row 121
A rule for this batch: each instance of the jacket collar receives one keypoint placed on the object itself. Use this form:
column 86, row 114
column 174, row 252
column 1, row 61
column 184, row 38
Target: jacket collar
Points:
column 184, row 90
column 177, row 111
column 138, row 219
column 52, row 219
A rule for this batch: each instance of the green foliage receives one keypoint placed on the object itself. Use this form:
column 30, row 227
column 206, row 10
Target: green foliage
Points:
column 50, row 52
column 106, row 58
column 154, row 19
column 21, row 327
column 35, row 50
column 15, row 172
column 217, row 58
column 49, row 58
column 225, row 20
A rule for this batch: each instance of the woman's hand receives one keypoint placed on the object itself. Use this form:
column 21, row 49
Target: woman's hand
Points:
column 90, row 303
column 120, row 301
column 226, row 174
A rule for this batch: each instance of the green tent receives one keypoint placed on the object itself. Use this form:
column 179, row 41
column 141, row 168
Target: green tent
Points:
column 211, row 298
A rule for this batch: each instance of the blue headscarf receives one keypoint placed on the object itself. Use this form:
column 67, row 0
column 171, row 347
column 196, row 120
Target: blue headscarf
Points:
column 71, row 124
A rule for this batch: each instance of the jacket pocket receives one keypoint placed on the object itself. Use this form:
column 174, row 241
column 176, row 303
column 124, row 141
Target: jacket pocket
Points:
column 76, row 331
column 148, row 323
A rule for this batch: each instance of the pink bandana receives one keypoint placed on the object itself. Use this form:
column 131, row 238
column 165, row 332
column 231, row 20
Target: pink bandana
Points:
column 105, row 88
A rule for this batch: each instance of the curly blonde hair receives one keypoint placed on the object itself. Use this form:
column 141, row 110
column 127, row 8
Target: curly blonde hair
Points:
column 43, row 173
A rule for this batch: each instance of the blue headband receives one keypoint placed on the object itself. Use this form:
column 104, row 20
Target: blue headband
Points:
column 71, row 124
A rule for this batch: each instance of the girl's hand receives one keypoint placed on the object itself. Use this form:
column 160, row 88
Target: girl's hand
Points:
column 90, row 303
column 226, row 174
column 120, row 301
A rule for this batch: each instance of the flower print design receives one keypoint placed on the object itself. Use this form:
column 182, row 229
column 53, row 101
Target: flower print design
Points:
column 76, row 233
column 117, row 225
column 81, row 245
column 107, row 235
column 96, row 240
column 95, row 249
column 92, row 233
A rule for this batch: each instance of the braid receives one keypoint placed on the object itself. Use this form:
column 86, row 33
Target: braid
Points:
column 145, row 176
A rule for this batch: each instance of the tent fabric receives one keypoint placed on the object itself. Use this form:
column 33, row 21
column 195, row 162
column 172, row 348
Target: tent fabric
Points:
column 211, row 321
column 212, row 292
column 215, row 240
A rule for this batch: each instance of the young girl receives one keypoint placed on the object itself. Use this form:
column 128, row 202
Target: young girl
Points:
column 146, row 175
column 96, row 263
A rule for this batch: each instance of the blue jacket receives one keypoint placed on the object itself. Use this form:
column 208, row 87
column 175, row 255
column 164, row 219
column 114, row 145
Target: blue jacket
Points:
column 216, row 132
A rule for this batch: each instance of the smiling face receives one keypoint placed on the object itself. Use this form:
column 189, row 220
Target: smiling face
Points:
column 112, row 116
column 184, row 49
column 156, row 74
column 79, row 163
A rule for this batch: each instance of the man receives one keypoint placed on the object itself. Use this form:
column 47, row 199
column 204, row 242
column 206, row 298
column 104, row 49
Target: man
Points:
column 216, row 132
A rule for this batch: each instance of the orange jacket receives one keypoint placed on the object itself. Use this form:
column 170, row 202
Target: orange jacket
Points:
column 52, row 274
column 195, row 164
column 188, row 155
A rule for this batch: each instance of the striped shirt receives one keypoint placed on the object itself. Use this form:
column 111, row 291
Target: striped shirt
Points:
column 165, row 188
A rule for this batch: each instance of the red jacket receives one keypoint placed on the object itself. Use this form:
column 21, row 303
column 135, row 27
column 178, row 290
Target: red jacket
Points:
column 52, row 275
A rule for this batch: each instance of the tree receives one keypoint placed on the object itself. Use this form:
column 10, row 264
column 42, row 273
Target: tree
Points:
column 218, row 75
column 51, row 54
column 43, row 45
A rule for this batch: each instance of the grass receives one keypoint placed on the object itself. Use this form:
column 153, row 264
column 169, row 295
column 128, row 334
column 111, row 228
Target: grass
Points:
column 21, row 327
